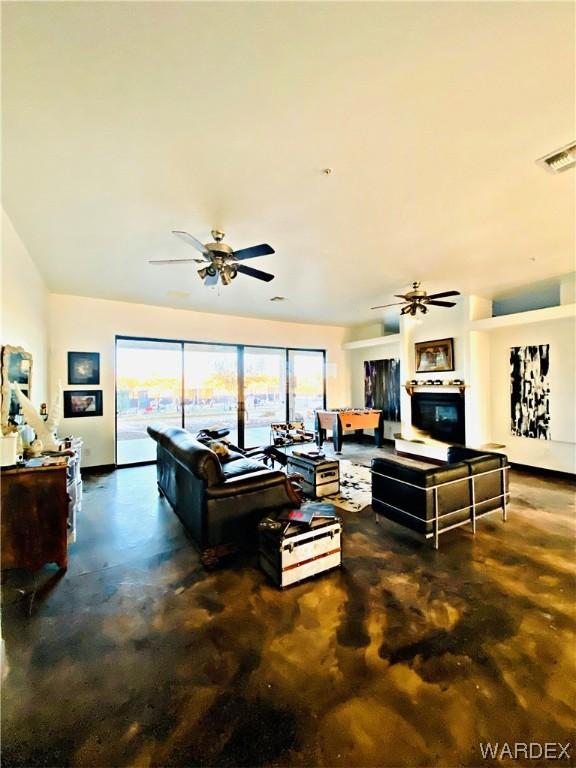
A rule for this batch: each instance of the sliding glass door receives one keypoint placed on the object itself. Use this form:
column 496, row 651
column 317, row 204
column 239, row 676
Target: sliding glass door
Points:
column 211, row 388
column 264, row 393
column 148, row 390
column 306, row 390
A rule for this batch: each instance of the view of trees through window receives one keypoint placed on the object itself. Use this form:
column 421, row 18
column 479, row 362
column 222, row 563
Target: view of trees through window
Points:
column 198, row 386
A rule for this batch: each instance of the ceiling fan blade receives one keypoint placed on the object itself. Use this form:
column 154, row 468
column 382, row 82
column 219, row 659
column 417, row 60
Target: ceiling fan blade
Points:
column 258, row 274
column 210, row 280
column 382, row 306
column 251, row 253
column 441, row 303
column 443, row 294
column 175, row 261
column 191, row 240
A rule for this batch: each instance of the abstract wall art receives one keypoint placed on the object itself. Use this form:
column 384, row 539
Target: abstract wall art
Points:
column 382, row 387
column 530, row 391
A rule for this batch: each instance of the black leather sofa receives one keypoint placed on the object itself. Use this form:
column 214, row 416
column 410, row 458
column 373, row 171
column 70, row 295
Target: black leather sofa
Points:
column 219, row 500
column 434, row 499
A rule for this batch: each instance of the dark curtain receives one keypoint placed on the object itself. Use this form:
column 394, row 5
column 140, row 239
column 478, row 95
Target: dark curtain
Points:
column 382, row 387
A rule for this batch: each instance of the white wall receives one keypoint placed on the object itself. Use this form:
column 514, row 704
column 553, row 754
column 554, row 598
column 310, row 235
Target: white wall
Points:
column 24, row 314
column 90, row 325
column 558, row 453
column 356, row 359
column 481, row 355
column 437, row 324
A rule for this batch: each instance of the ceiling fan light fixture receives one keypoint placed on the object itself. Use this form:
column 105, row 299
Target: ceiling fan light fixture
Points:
column 227, row 273
column 222, row 261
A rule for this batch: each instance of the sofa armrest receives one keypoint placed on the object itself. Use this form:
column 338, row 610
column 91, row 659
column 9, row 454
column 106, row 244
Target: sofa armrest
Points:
column 188, row 452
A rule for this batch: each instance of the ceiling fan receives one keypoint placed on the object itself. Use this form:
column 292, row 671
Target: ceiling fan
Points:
column 221, row 261
column 418, row 300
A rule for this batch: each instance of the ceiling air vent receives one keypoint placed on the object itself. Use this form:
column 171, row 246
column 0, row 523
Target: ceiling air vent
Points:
column 560, row 160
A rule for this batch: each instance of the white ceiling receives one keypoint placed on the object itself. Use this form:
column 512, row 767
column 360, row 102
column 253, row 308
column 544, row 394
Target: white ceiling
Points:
column 123, row 121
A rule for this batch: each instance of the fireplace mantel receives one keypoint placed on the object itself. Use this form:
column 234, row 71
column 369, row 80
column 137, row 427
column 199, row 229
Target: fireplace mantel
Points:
column 431, row 387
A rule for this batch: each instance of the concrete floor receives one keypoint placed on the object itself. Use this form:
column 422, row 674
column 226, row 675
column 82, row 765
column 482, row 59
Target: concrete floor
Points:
column 405, row 657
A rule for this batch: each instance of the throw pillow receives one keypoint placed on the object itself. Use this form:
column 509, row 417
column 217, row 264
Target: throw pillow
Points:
column 220, row 449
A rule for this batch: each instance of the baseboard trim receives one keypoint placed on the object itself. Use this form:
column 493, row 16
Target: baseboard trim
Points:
column 136, row 464
column 541, row 471
column 361, row 440
column 97, row 469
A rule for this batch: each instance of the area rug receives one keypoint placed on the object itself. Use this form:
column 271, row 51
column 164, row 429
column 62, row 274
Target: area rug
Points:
column 355, row 487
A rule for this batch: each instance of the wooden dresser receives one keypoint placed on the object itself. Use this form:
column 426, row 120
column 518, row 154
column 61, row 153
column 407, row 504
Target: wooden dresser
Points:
column 35, row 512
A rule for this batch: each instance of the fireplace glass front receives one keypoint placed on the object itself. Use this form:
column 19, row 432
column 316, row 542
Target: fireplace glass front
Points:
column 440, row 415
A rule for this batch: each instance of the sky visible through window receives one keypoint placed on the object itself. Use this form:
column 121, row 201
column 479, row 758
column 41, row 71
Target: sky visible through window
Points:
column 147, row 366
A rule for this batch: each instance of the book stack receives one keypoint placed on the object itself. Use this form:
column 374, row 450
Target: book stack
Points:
column 312, row 510
column 46, row 461
column 311, row 454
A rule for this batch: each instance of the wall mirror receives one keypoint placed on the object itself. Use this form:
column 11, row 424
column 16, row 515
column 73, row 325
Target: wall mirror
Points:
column 16, row 367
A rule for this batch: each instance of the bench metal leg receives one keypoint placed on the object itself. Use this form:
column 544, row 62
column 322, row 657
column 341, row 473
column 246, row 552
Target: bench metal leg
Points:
column 504, row 499
column 473, row 500
column 436, row 531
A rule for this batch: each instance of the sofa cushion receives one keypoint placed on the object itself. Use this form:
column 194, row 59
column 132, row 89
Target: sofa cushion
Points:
column 242, row 466
column 460, row 453
column 249, row 485
column 418, row 473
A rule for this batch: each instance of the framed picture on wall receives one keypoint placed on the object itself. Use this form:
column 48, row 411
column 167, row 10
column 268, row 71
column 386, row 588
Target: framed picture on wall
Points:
column 82, row 402
column 83, row 368
column 435, row 355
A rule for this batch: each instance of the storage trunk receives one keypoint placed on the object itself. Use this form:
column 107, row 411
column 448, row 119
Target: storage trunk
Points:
column 321, row 478
column 296, row 552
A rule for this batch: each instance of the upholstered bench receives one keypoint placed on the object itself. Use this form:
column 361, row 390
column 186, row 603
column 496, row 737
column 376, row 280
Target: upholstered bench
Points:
column 432, row 499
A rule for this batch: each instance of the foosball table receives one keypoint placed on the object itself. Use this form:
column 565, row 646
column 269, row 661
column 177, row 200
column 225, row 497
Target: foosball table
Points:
column 339, row 421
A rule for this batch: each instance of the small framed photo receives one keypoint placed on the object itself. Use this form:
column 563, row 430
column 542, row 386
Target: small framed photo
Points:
column 432, row 356
column 83, row 368
column 82, row 402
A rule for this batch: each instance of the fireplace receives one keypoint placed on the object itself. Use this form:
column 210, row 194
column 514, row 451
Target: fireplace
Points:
column 440, row 415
